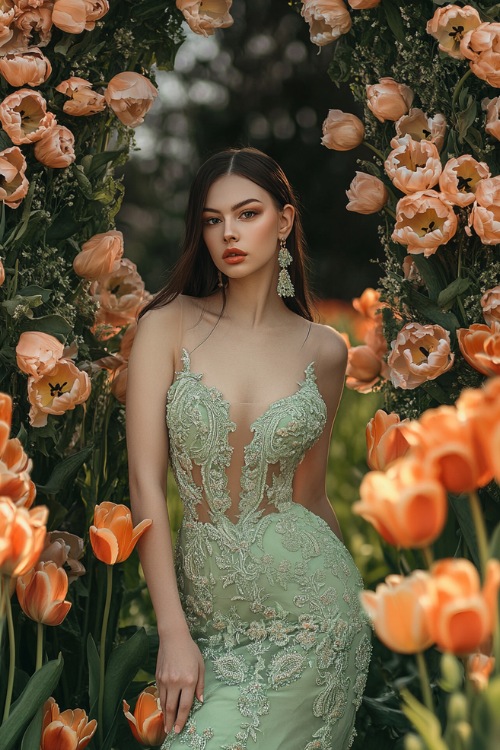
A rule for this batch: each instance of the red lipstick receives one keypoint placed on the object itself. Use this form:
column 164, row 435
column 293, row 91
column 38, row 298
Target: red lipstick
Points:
column 233, row 255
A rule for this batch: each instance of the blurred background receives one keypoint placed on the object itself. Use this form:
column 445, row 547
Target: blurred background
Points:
column 259, row 83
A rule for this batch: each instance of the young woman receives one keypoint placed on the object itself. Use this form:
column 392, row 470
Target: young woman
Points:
column 263, row 642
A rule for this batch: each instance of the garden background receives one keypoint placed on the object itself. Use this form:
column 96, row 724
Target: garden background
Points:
column 268, row 80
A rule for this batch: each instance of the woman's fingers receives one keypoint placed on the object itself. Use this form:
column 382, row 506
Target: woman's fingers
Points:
column 200, row 686
column 171, row 708
column 185, row 703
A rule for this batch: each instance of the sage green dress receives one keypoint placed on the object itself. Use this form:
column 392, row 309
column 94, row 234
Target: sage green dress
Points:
column 271, row 599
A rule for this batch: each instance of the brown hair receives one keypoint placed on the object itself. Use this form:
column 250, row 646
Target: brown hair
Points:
column 195, row 273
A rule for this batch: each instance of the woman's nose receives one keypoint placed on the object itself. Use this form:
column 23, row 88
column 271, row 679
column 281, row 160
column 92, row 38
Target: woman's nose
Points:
column 229, row 231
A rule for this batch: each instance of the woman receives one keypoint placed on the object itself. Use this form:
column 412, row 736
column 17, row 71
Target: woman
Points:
column 263, row 643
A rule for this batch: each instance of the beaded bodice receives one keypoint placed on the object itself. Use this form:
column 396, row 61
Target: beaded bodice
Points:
column 199, row 424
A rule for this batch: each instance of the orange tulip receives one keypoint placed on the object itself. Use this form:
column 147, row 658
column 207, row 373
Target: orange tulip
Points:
column 407, row 504
column 30, row 68
column 13, row 181
column 82, row 100
column 95, row 9
column 70, row 15
column 5, row 420
column 342, row 131
column 41, row 593
column 400, row 610
column 413, row 165
column 65, row 730
column 37, row 353
column 120, row 294
column 204, row 17
column 492, row 108
column 119, row 384
column 147, row 723
column 130, row 95
column 56, row 148
column 421, row 127
column 445, row 442
column 388, row 99
column 22, row 536
column 385, row 441
column 463, row 616
column 480, row 346
column 419, row 353
column 449, row 25
column 2, row 273
column 60, row 390
column 460, row 178
column 24, row 116
column 481, row 45
column 16, row 485
column 327, row 19
column 479, row 668
column 424, row 221
column 481, row 408
column 99, row 255
column 113, row 536
column 490, row 303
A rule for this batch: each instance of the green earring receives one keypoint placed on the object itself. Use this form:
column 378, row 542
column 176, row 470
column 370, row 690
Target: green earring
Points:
column 285, row 286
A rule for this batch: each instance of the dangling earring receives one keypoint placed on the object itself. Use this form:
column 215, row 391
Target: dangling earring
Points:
column 219, row 276
column 285, row 286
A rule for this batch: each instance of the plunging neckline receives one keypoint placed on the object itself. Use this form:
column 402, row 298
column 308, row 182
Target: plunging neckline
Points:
column 310, row 377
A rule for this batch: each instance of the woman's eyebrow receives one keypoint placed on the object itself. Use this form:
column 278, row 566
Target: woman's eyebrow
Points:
column 236, row 205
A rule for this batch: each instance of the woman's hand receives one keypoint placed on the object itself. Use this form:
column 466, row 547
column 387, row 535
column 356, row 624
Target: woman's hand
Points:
column 180, row 674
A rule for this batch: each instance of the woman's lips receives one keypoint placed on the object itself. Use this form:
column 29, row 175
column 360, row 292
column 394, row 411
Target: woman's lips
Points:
column 233, row 255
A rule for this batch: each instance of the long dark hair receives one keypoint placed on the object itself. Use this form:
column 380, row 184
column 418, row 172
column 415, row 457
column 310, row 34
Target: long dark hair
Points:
column 195, row 273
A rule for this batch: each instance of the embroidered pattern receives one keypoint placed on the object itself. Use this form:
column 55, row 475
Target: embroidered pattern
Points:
column 272, row 600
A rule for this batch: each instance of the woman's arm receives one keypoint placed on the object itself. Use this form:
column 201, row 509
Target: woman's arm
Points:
column 180, row 668
column 309, row 484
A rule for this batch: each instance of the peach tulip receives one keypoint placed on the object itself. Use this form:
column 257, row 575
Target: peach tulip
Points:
column 33, row 25
column 119, row 294
column 480, row 347
column 29, row 68
column 147, row 722
column 362, row 4
column 13, row 183
column 490, row 302
column 367, row 194
column 327, row 19
column 57, row 392
column 492, row 107
column 56, row 148
column 5, row 420
column 113, row 536
column 95, row 10
column 364, row 368
column 464, row 615
column 460, row 179
column 368, row 304
column 479, row 669
column 419, row 353
column 41, row 593
column 424, row 221
column 99, row 255
column 82, row 100
column 482, row 47
column 119, row 384
column 22, row 536
column 24, row 116
column 2, row 273
column 443, row 440
column 127, row 341
column 413, row 165
column 400, row 610
column 342, row 131
column 385, row 441
column 37, row 353
column 70, row 15
column 485, row 214
column 130, row 96
column 15, row 479
column 65, row 730
column 411, row 272
column 421, row 127
column 65, row 550
column 449, row 25
column 406, row 504
column 388, row 99
column 204, row 17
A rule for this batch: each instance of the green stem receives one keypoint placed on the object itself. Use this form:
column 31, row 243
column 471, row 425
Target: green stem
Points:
column 39, row 646
column 428, row 556
column 459, row 86
column 424, row 681
column 102, row 652
column 12, row 661
column 480, row 527
column 390, row 212
column 375, row 150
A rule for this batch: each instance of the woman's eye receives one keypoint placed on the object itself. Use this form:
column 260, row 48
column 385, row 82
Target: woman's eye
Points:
column 212, row 220
column 248, row 214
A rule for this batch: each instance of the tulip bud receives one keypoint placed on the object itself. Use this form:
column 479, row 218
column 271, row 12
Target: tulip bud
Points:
column 413, row 742
column 342, row 131
column 451, row 673
column 458, row 708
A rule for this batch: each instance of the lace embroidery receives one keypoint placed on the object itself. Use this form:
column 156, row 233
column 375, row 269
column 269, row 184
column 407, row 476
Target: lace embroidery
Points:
column 272, row 600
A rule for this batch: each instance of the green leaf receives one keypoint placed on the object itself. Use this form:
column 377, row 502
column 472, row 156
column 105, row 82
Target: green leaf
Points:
column 424, row 721
column 123, row 664
column 93, row 662
column 432, row 311
column 83, row 181
column 34, row 289
column 54, row 324
column 495, row 543
column 394, row 20
column 461, row 508
column 385, row 716
column 26, row 303
column 64, row 471
column 431, row 272
column 63, row 226
column 34, row 695
column 31, row 737
column 466, row 118
column 452, row 291
column 99, row 160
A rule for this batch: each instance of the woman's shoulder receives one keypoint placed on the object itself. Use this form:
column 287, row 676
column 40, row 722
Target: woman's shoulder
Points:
column 329, row 346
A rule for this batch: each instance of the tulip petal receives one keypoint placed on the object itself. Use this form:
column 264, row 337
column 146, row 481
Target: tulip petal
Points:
column 59, row 736
column 104, row 545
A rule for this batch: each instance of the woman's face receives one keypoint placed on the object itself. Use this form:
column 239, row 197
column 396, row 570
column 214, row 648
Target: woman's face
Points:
column 242, row 225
